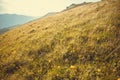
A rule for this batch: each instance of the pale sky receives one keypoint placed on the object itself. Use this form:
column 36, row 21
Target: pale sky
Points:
column 36, row 7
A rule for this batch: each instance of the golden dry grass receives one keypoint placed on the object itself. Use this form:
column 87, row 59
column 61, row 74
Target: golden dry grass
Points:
column 78, row 44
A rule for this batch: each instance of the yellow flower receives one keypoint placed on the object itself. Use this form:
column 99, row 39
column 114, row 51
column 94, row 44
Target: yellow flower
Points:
column 72, row 67
column 49, row 60
column 58, row 66
column 99, row 70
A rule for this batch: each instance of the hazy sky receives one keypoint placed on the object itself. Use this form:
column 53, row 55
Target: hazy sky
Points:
column 35, row 7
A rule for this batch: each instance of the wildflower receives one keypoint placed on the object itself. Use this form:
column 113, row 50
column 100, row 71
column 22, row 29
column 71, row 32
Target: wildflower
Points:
column 49, row 61
column 99, row 70
column 72, row 67
column 58, row 66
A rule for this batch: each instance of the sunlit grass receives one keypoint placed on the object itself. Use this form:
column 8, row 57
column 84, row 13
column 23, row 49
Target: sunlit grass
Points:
column 78, row 44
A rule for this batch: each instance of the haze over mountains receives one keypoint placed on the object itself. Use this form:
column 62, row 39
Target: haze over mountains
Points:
column 82, row 43
column 9, row 20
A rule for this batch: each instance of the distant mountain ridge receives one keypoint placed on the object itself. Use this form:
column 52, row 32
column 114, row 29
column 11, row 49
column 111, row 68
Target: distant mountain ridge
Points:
column 8, row 20
column 3, row 30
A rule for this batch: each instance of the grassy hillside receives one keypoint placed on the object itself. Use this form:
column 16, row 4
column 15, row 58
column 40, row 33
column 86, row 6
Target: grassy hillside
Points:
column 79, row 44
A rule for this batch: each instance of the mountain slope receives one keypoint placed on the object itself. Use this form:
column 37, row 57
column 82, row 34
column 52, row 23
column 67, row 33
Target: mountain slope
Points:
column 9, row 20
column 82, row 43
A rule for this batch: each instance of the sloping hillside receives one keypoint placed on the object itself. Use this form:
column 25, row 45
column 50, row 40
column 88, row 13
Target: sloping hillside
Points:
column 79, row 44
